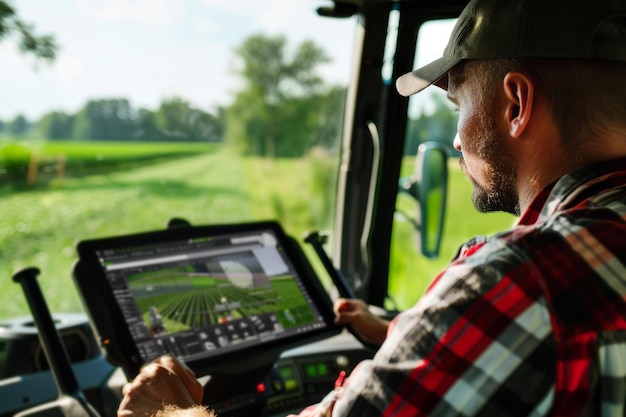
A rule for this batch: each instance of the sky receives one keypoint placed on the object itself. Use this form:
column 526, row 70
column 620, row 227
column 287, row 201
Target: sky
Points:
column 148, row 50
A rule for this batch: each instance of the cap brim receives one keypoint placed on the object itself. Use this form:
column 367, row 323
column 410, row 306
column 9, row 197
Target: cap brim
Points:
column 433, row 73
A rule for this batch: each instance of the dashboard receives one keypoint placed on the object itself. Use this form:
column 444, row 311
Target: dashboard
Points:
column 309, row 372
column 300, row 377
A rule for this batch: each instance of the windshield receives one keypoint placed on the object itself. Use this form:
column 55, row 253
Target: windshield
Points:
column 211, row 112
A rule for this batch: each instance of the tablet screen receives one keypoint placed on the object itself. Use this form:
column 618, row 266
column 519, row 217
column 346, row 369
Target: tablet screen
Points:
column 216, row 291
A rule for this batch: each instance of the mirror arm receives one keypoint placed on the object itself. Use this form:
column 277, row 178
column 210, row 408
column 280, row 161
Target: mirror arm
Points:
column 410, row 186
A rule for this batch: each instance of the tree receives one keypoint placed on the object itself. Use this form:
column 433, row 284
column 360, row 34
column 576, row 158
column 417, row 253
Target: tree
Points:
column 329, row 106
column 177, row 120
column 43, row 47
column 147, row 129
column 18, row 126
column 56, row 125
column 172, row 118
column 205, row 127
column 272, row 82
column 107, row 119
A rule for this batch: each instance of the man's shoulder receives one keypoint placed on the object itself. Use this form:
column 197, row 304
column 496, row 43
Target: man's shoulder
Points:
column 573, row 245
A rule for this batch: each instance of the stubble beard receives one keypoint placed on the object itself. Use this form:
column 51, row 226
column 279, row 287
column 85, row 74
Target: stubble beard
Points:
column 499, row 193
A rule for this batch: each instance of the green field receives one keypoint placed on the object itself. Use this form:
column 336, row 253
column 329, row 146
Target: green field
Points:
column 186, row 302
column 127, row 150
column 40, row 227
column 100, row 151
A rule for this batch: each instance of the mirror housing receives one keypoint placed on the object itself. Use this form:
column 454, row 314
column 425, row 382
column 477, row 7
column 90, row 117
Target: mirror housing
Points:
column 429, row 187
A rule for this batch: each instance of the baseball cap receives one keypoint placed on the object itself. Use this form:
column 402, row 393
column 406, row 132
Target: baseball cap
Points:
column 583, row 29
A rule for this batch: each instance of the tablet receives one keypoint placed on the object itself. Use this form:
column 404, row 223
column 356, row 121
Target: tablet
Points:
column 220, row 296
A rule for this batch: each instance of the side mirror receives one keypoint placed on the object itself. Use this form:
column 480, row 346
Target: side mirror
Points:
column 428, row 186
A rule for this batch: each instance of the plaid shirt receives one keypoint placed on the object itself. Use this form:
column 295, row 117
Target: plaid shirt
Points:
column 529, row 322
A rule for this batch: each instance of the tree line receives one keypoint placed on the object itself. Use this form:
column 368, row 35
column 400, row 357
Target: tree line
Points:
column 116, row 119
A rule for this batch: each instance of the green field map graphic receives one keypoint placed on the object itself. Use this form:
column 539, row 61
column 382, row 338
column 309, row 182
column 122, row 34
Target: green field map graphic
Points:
column 207, row 294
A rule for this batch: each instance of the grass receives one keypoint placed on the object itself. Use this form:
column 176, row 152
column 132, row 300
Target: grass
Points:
column 41, row 227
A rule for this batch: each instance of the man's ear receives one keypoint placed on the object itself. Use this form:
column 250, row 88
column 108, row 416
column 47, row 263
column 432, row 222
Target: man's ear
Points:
column 518, row 91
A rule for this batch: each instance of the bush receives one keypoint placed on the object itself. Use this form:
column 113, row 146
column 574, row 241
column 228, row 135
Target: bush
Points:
column 14, row 161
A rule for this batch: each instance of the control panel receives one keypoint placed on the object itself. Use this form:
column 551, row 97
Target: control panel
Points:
column 308, row 376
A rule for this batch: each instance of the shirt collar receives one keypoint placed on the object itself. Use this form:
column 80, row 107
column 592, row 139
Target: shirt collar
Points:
column 574, row 188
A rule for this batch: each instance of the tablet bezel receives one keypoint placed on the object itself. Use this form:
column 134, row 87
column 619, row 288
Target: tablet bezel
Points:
column 116, row 341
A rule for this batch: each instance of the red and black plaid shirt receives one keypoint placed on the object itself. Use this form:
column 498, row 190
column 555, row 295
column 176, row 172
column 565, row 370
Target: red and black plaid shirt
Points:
column 529, row 322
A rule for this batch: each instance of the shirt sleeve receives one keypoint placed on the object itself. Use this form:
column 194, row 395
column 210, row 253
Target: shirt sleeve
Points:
column 468, row 348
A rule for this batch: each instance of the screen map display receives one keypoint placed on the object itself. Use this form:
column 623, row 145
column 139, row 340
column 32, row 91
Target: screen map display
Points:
column 200, row 297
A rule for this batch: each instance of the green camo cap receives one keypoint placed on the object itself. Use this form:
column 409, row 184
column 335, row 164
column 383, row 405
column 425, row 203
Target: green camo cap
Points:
column 584, row 29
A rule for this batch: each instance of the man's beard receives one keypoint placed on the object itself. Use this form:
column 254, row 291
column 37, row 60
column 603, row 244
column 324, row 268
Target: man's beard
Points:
column 500, row 193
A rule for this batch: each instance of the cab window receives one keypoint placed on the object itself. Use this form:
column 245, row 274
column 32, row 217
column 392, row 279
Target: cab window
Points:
column 161, row 112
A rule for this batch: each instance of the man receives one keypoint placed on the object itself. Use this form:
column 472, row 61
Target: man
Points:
column 531, row 321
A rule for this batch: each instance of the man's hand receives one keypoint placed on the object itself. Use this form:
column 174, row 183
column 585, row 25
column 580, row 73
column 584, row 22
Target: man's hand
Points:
column 355, row 313
column 164, row 382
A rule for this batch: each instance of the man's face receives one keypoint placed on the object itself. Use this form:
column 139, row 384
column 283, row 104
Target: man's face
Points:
column 486, row 156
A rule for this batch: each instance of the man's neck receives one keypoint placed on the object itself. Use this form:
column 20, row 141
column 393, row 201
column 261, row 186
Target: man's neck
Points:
column 545, row 164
